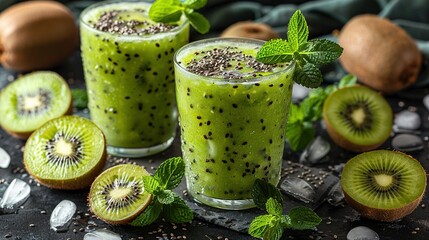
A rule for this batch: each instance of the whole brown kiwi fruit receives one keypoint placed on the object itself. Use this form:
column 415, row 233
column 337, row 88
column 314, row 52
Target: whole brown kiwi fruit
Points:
column 249, row 29
column 36, row 35
column 381, row 54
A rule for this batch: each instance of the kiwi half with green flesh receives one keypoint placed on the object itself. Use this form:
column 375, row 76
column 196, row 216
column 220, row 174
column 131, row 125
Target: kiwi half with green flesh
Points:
column 383, row 185
column 32, row 100
column 66, row 153
column 357, row 118
column 118, row 195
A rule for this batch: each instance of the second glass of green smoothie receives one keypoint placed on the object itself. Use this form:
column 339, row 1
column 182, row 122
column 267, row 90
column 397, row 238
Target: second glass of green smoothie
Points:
column 128, row 66
column 232, row 114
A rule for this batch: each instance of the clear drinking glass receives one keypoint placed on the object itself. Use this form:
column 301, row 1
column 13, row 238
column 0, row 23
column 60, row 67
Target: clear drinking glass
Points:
column 130, row 78
column 232, row 130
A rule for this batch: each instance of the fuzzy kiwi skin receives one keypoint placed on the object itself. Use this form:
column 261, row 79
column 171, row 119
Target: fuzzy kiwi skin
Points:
column 343, row 142
column 381, row 54
column 124, row 221
column 26, row 135
column 385, row 215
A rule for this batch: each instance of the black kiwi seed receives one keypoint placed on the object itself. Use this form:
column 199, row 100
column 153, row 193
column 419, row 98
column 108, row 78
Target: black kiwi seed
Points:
column 42, row 96
column 59, row 158
column 132, row 197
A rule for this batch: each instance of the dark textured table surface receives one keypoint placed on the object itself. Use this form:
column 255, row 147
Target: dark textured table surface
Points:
column 31, row 221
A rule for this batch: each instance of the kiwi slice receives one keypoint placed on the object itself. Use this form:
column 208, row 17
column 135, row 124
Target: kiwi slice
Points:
column 66, row 153
column 357, row 118
column 383, row 185
column 118, row 195
column 32, row 100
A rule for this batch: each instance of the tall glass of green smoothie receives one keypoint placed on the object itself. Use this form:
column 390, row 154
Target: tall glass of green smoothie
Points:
column 232, row 114
column 128, row 67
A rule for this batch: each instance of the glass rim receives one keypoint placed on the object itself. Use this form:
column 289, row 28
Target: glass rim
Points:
column 180, row 27
column 250, row 80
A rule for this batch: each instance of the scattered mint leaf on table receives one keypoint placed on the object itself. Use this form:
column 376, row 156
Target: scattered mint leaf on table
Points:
column 80, row 98
column 168, row 11
column 306, row 54
column 271, row 226
column 165, row 202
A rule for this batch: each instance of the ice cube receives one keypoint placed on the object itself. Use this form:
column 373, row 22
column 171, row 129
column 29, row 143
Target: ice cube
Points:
column 4, row 158
column 62, row 214
column 407, row 120
column 407, row 142
column 299, row 92
column 102, row 234
column 362, row 233
column 15, row 195
column 426, row 101
column 336, row 195
column 299, row 189
column 315, row 151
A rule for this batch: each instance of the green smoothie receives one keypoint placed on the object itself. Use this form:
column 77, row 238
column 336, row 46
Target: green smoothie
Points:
column 233, row 113
column 128, row 66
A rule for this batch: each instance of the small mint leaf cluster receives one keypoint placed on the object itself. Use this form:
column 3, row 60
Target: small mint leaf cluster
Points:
column 165, row 202
column 300, row 129
column 308, row 55
column 271, row 226
column 168, row 11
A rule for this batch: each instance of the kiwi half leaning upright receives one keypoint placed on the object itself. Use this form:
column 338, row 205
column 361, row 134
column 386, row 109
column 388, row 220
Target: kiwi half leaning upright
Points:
column 32, row 100
column 383, row 185
column 66, row 153
column 118, row 195
column 357, row 118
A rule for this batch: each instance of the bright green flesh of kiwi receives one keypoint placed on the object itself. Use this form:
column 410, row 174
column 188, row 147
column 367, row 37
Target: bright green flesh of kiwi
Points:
column 359, row 114
column 18, row 101
column 120, row 182
column 57, row 163
column 383, row 179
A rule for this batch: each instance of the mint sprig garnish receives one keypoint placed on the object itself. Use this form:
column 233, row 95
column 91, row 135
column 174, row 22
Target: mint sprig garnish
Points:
column 165, row 202
column 308, row 55
column 80, row 98
column 169, row 11
column 271, row 226
column 300, row 129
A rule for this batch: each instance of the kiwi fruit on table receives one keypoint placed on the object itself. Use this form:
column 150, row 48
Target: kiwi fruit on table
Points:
column 66, row 153
column 357, row 118
column 32, row 100
column 383, row 185
column 380, row 53
column 118, row 195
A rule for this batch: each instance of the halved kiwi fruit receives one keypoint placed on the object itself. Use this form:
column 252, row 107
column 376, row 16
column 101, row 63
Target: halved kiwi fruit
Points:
column 32, row 100
column 118, row 195
column 383, row 185
column 357, row 118
column 66, row 153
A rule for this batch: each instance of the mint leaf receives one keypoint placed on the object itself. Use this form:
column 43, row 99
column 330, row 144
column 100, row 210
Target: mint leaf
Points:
column 195, row 4
column 295, row 113
column 166, row 196
column 151, row 185
column 297, row 31
column 170, row 173
column 312, row 108
column 308, row 75
column 165, row 11
column 149, row 215
column 178, row 211
column 262, row 191
column 198, row 21
column 274, row 207
column 299, row 134
column 275, row 51
column 275, row 232
column 347, row 80
column 302, row 218
column 80, row 98
column 260, row 225
column 320, row 51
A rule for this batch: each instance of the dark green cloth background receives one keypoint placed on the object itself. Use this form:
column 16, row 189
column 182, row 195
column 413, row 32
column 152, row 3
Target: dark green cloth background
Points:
column 323, row 16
